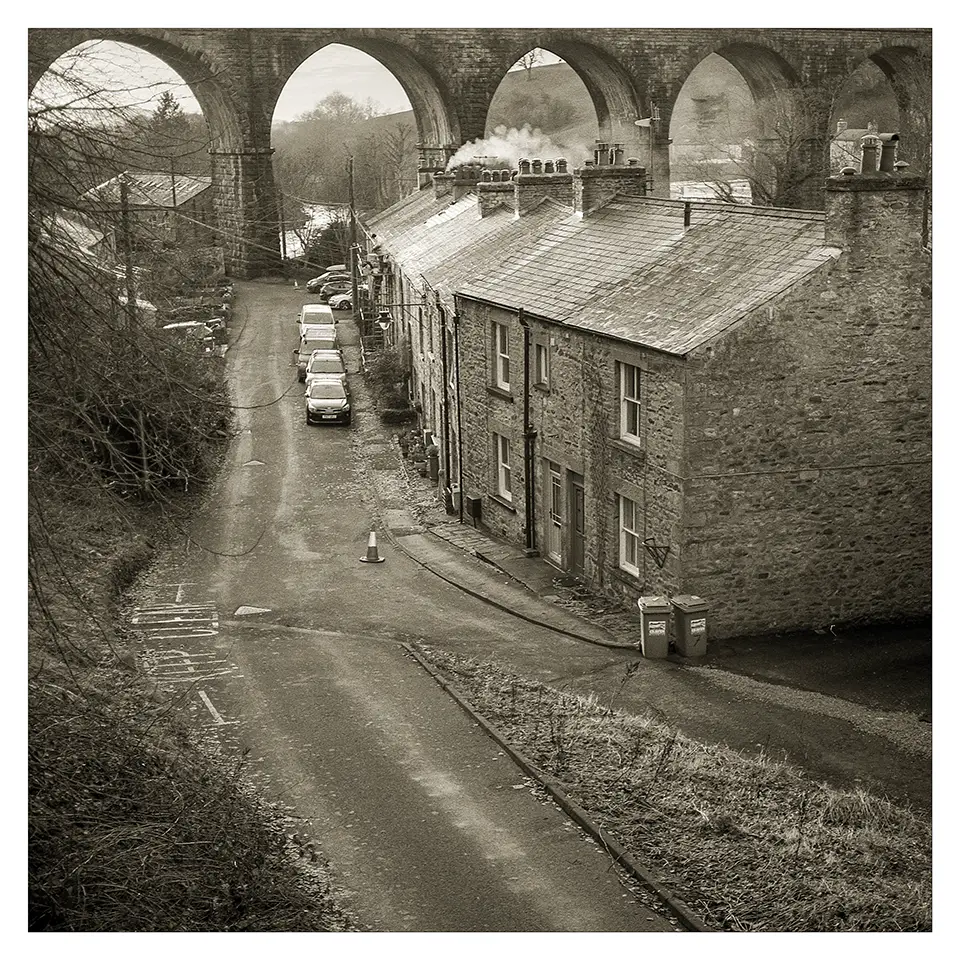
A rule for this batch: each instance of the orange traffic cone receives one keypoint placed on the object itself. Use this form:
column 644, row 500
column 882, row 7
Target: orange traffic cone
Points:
column 372, row 556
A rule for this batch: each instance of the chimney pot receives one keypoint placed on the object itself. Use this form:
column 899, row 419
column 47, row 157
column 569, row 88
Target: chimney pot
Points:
column 900, row 166
column 633, row 162
column 487, row 176
column 869, row 145
column 561, row 165
column 888, row 152
column 841, row 126
column 848, row 171
column 524, row 166
column 548, row 166
column 537, row 166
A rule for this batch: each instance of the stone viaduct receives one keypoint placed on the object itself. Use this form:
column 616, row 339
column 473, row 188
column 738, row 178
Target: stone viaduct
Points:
column 451, row 75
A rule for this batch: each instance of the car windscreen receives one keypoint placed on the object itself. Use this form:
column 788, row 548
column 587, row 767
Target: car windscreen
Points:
column 326, row 390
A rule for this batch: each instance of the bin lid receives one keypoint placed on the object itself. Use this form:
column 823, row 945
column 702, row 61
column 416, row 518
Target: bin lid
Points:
column 689, row 603
column 654, row 604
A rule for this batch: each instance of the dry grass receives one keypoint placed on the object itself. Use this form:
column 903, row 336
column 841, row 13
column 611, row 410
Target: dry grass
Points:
column 749, row 842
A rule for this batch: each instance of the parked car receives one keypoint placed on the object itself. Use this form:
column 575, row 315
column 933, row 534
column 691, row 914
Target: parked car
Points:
column 325, row 365
column 341, row 301
column 317, row 282
column 335, row 286
column 315, row 313
column 327, row 401
column 321, row 338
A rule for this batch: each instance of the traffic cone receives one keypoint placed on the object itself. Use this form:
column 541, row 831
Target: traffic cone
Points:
column 372, row 556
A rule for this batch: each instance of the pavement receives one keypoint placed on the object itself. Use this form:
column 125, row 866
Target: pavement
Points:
column 870, row 690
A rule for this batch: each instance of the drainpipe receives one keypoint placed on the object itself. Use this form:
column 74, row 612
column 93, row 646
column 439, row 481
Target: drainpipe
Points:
column 445, row 419
column 529, row 437
column 456, row 360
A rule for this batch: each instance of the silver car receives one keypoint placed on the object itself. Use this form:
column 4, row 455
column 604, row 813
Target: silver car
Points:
column 325, row 365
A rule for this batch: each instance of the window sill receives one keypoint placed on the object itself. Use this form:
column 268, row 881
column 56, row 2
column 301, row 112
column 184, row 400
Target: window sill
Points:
column 626, row 577
column 497, row 392
column 506, row 504
column 542, row 387
column 634, row 449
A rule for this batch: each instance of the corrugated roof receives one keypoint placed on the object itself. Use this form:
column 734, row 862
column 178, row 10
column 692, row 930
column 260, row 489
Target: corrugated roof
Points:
column 149, row 189
column 632, row 271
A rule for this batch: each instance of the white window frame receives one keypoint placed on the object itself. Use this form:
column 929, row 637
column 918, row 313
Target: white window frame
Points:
column 504, row 471
column 541, row 365
column 501, row 355
column 630, row 541
column 631, row 412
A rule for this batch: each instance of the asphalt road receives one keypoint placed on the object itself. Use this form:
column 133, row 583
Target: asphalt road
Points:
column 292, row 649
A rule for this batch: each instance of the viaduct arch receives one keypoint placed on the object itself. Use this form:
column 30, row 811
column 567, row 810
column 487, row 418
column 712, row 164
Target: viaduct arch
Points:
column 451, row 75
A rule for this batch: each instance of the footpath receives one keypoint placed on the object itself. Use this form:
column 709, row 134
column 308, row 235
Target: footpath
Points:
column 853, row 709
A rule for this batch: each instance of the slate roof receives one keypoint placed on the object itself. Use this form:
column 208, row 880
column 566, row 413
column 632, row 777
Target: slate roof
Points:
column 149, row 190
column 631, row 271
column 446, row 242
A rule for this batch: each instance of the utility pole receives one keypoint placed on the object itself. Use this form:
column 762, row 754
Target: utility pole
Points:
column 283, row 228
column 354, row 291
column 127, row 250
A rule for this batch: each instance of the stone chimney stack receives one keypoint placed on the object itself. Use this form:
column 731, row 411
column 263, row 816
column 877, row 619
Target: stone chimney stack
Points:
column 597, row 185
column 876, row 215
column 841, row 126
column 533, row 182
column 458, row 182
column 494, row 190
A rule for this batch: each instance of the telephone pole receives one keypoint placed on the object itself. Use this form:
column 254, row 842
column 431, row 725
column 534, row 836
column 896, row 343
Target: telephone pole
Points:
column 354, row 286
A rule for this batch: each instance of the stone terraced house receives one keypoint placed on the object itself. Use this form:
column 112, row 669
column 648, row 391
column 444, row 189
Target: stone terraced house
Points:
column 676, row 397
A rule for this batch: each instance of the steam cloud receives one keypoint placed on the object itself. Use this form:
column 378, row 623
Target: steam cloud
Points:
column 507, row 147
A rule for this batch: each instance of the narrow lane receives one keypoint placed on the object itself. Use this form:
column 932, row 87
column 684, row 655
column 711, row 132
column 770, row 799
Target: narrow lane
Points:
column 427, row 823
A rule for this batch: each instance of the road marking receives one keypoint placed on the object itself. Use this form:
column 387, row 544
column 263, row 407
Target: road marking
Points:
column 213, row 710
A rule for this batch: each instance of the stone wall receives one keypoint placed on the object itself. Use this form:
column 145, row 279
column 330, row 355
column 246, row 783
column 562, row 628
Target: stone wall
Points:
column 577, row 419
column 809, row 441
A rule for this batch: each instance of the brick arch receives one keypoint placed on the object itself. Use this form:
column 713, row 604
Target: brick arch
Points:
column 193, row 67
column 433, row 106
column 615, row 99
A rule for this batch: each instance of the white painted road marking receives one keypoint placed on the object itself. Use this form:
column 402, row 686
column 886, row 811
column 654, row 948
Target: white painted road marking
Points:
column 213, row 710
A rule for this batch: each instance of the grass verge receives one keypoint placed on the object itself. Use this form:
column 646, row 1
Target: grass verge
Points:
column 750, row 843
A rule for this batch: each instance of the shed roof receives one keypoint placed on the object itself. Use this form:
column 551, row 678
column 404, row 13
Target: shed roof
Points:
column 149, row 189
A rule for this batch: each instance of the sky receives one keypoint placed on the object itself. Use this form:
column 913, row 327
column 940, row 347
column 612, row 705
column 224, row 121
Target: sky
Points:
column 133, row 77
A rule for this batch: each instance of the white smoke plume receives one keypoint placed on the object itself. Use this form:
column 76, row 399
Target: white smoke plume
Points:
column 505, row 148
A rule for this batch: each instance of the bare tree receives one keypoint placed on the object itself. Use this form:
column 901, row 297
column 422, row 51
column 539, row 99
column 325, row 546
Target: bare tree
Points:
column 529, row 60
